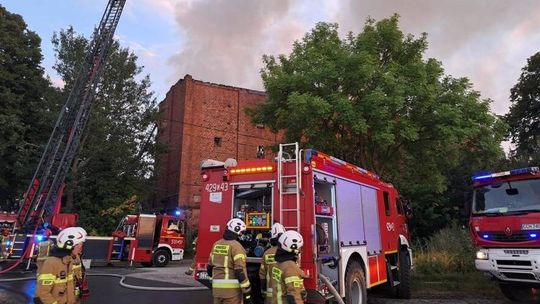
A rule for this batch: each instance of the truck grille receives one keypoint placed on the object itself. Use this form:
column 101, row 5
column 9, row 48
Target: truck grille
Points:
column 513, row 263
column 517, row 236
column 519, row 276
column 516, row 251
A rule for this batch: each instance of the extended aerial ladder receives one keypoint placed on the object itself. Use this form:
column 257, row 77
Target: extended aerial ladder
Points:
column 42, row 199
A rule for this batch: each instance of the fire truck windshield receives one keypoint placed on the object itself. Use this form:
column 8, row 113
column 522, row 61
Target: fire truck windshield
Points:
column 509, row 197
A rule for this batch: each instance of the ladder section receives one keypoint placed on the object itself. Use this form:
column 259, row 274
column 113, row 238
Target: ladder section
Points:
column 46, row 186
column 289, row 185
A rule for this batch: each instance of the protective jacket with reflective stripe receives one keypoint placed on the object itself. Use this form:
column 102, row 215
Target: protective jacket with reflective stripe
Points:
column 287, row 283
column 268, row 262
column 55, row 281
column 228, row 258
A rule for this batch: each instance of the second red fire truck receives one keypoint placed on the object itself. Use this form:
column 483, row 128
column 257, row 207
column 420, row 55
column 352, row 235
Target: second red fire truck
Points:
column 505, row 225
column 354, row 225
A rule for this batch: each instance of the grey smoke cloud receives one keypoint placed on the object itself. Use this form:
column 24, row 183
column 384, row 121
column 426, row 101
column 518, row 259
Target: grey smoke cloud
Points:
column 485, row 40
column 225, row 39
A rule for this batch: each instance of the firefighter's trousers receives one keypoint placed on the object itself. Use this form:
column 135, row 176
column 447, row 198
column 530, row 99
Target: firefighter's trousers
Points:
column 233, row 300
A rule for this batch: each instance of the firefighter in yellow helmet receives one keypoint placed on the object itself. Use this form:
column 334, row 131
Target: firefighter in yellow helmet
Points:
column 268, row 262
column 227, row 267
column 58, row 275
column 287, row 277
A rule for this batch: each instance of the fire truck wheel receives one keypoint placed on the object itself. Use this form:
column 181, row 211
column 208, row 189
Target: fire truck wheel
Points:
column 355, row 284
column 161, row 258
column 404, row 276
column 517, row 293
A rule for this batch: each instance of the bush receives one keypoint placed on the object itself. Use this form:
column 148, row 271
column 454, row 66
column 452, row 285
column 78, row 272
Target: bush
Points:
column 448, row 250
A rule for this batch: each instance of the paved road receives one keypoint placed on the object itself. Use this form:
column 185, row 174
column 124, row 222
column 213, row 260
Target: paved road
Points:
column 107, row 289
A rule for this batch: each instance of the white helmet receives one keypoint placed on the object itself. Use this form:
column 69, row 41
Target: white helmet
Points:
column 236, row 225
column 69, row 237
column 291, row 241
column 276, row 230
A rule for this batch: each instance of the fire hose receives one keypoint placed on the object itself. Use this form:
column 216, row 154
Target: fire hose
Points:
column 122, row 283
column 332, row 289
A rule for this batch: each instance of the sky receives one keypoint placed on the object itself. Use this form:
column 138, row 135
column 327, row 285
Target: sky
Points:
column 222, row 41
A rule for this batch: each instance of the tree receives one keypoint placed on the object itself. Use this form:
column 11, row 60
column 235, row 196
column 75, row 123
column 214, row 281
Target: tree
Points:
column 115, row 158
column 524, row 115
column 26, row 104
column 373, row 100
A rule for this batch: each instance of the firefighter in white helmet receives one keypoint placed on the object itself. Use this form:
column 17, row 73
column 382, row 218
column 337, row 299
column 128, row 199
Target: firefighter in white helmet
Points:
column 227, row 267
column 58, row 276
column 268, row 262
column 287, row 277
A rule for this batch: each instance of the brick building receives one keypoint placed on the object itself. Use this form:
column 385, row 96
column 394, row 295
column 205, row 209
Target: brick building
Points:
column 200, row 120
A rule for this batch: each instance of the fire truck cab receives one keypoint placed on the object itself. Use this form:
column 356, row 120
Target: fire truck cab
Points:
column 150, row 239
column 505, row 225
column 354, row 225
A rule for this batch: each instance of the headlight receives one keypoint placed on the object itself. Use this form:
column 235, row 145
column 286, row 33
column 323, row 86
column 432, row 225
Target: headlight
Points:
column 482, row 255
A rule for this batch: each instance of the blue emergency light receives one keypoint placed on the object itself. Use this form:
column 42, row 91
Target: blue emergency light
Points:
column 485, row 236
column 485, row 176
column 177, row 212
column 532, row 235
column 39, row 237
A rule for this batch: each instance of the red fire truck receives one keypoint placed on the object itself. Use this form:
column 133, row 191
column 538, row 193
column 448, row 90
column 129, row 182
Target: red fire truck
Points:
column 149, row 239
column 505, row 224
column 354, row 225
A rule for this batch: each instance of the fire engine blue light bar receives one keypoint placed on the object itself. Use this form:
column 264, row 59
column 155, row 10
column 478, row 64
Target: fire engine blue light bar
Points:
column 486, row 176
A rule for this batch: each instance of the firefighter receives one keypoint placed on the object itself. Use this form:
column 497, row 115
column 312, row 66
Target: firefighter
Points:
column 44, row 247
column 192, row 266
column 287, row 277
column 227, row 267
column 4, row 238
column 268, row 262
column 57, row 278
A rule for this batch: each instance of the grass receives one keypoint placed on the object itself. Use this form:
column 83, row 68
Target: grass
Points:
column 454, row 285
column 444, row 264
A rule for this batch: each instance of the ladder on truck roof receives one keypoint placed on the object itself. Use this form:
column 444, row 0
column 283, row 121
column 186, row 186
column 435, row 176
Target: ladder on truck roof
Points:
column 289, row 210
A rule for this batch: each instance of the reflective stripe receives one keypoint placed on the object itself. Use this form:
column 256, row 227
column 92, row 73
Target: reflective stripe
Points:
column 50, row 279
column 46, row 276
column 76, row 266
column 221, row 249
column 270, row 259
column 245, row 284
column 239, row 256
column 293, row 279
column 279, row 296
column 276, row 274
column 226, row 266
column 223, row 283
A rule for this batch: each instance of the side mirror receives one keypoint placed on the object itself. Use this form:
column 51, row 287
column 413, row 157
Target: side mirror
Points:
column 407, row 206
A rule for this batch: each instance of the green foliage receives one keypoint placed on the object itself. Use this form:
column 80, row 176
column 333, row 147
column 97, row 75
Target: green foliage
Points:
column 26, row 102
column 449, row 250
column 524, row 116
column 115, row 160
column 373, row 100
